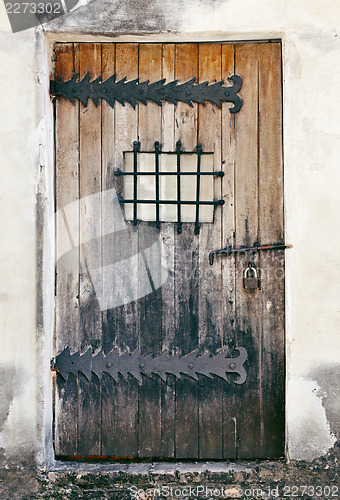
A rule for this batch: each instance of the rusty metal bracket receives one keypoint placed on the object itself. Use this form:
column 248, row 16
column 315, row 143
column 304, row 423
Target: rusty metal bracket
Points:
column 132, row 91
column 136, row 364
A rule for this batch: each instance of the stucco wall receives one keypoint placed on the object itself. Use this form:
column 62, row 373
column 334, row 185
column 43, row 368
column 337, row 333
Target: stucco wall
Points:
column 311, row 67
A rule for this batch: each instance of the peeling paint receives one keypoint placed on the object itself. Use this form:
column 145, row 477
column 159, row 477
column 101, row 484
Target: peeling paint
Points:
column 309, row 435
column 327, row 377
column 115, row 16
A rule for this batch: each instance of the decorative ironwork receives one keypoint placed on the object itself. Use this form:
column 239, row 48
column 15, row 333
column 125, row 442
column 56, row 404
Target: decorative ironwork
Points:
column 133, row 91
column 156, row 173
column 135, row 364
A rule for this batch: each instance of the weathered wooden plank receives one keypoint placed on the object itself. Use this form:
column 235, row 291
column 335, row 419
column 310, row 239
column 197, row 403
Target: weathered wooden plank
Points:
column 90, row 255
column 67, row 253
column 246, row 233
column 150, row 306
column 186, row 266
column 230, row 409
column 210, row 283
column 109, row 218
column 168, row 289
column 271, row 229
column 120, row 321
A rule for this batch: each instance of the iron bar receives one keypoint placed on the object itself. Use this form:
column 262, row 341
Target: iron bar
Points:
column 174, row 202
column 135, row 151
column 256, row 248
column 178, row 173
column 218, row 174
column 198, row 186
column 157, row 182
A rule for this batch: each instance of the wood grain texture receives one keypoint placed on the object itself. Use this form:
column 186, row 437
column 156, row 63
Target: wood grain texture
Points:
column 271, row 229
column 186, row 268
column 168, row 394
column 248, row 321
column 89, row 424
column 210, row 282
column 198, row 305
column 150, row 306
column 120, row 322
column 67, row 253
column 230, row 409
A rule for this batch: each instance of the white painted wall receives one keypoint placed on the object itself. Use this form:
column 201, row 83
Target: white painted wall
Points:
column 310, row 30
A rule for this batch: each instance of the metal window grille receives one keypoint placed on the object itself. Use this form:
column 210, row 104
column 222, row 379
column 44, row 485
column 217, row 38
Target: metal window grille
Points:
column 178, row 173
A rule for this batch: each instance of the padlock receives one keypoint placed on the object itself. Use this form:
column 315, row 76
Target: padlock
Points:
column 251, row 282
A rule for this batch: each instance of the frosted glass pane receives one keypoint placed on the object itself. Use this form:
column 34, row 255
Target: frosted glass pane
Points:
column 146, row 187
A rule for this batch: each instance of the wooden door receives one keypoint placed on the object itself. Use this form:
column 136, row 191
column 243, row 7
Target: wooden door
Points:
column 197, row 307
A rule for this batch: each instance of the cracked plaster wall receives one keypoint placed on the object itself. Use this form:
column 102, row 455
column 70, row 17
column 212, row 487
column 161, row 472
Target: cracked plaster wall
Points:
column 311, row 67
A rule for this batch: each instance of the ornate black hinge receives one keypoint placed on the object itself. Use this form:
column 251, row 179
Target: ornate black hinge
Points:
column 135, row 364
column 133, row 91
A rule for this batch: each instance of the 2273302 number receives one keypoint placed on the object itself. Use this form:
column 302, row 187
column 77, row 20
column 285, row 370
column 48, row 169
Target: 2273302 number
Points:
column 33, row 8
column 311, row 491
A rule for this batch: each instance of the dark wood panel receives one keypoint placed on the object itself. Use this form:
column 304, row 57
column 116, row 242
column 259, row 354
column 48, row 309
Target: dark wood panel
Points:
column 198, row 305
column 120, row 322
column 89, row 423
column 186, row 269
column 271, row 229
column 248, row 304
column 209, row 278
column 230, row 409
column 168, row 395
column 150, row 306
column 67, row 255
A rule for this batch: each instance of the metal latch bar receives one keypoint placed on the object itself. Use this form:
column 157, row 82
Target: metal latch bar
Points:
column 256, row 248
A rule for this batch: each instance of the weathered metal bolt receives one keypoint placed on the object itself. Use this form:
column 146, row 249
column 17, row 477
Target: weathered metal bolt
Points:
column 232, row 366
column 142, row 365
column 109, row 365
column 191, row 365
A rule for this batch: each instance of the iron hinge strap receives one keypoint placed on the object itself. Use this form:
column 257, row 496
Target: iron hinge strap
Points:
column 135, row 364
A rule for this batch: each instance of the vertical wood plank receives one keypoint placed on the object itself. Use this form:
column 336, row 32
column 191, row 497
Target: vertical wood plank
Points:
column 246, row 216
column 90, row 255
column 121, row 322
column 67, row 251
column 230, row 409
column 150, row 306
column 186, row 267
column 272, row 263
column 109, row 181
column 168, row 289
column 210, row 284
